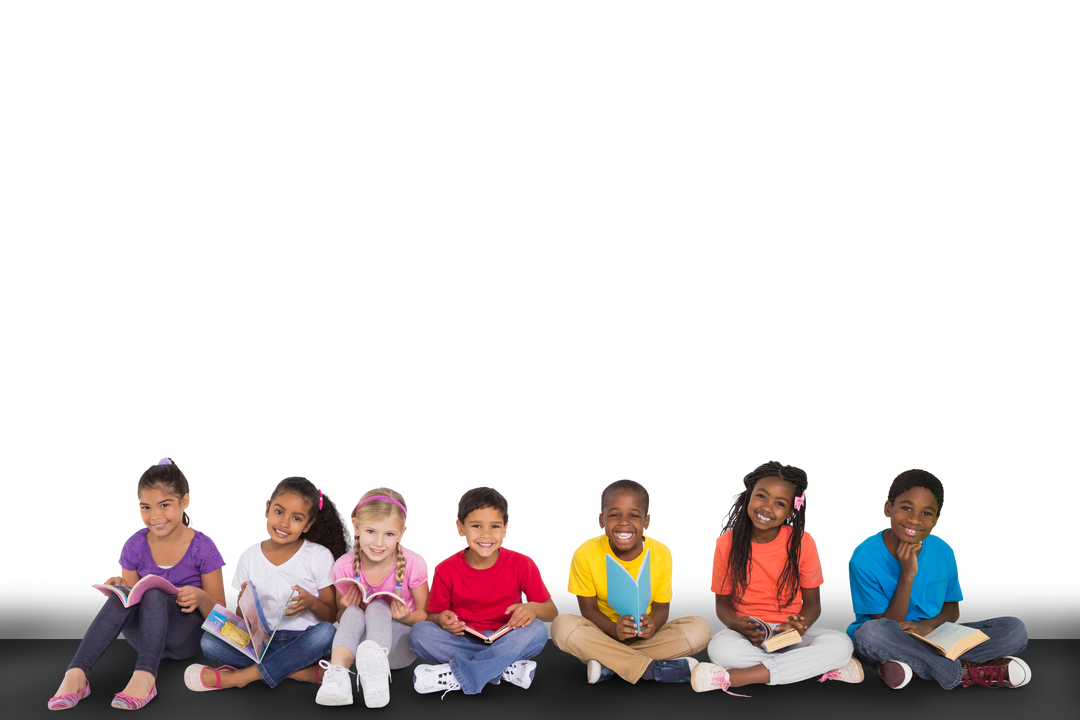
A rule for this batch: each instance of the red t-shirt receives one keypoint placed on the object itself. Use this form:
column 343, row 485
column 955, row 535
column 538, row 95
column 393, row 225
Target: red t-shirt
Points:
column 480, row 597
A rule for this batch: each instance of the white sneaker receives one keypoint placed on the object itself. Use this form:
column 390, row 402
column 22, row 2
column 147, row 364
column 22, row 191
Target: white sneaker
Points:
column 852, row 672
column 520, row 673
column 373, row 673
column 710, row 676
column 336, row 688
column 434, row 678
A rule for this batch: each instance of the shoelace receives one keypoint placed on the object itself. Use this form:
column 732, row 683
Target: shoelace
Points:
column 990, row 674
column 328, row 671
column 721, row 680
column 831, row 675
column 451, row 683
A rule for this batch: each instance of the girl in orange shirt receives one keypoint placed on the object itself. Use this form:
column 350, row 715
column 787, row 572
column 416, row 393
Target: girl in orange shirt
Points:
column 766, row 573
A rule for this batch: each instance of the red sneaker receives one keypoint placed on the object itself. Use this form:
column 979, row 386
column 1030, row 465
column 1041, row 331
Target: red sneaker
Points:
column 1008, row 671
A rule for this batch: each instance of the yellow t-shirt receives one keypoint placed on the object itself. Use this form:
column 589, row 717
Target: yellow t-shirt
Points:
column 588, row 572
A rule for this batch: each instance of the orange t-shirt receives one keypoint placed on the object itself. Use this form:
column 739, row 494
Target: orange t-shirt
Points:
column 769, row 559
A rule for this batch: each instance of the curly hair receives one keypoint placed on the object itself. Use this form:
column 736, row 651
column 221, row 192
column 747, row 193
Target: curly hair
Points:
column 738, row 522
column 326, row 529
column 917, row 478
column 479, row 498
column 374, row 511
column 166, row 475
column 642, row 493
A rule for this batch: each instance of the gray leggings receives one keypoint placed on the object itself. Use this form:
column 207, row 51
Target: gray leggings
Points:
column 376, row 624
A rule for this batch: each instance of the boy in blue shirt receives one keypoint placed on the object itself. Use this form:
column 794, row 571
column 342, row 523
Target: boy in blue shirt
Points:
column 904, row 580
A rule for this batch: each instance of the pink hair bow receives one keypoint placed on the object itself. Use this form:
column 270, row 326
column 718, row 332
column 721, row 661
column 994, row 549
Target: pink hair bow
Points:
column 800, row 501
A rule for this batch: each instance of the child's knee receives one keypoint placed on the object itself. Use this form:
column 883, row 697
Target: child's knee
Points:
column 563, row 626
column 697, row 632
column 874, row 632
column 421, row 633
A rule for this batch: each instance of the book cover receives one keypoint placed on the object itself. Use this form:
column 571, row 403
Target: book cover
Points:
column 132, row 595
column 626, row 594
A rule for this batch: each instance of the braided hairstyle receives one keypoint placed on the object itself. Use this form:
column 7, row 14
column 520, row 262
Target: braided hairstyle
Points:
column 917, row 478
column 738, row 522
column 326, row 529
column 166, row 475
column 375, row 511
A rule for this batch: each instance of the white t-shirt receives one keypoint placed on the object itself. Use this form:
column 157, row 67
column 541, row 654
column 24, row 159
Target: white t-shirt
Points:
column 309, row 568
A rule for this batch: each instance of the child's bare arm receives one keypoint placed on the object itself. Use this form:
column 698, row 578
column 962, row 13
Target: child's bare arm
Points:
column 907, row 554
column 726, row 613
column 811, row 611
column 590, row 610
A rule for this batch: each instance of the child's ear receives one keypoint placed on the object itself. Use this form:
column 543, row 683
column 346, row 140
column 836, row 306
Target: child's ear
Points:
column 601, row 518
column 184, row 502
column 267, row 513
column 402, row 533
column 888, row 509
column 308, row 526
column 460, row 528
column 355, row 528
column 645, row 525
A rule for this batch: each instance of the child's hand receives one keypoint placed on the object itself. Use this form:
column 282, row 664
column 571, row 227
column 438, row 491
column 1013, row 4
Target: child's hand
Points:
column 243, row 588
column 919, row 627
column 647, row 628
column 449, row 621
column 398, row 609
column 188, row 598
column 907, row 554
column 115, row 581
column 626, row 628
column 750, row 629
column 352, row 598
column 303, row 600
column 522, row 616
column 794, row 622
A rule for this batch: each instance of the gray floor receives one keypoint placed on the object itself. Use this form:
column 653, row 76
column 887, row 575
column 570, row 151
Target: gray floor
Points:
column 33, row 669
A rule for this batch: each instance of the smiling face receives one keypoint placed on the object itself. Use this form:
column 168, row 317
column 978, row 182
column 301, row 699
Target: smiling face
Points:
column 484, row 530
column 161, row 512
column 770, row 504
column 378, row 539
column 625, row 522
column 288, row 516
column 912, row 515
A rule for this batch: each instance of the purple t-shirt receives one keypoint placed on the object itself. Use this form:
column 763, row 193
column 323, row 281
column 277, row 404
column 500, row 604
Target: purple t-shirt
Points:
column 202, row 557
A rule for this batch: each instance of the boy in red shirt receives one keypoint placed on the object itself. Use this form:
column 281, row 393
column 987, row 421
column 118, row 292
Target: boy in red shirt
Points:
column 474, row 594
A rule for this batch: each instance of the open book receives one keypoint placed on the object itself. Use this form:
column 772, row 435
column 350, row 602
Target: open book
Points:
column 249, row 634
column 344, row 584
column 775, row 640
column 952, row 640
column 132, row 595
column 626, row 594
column 489, row 638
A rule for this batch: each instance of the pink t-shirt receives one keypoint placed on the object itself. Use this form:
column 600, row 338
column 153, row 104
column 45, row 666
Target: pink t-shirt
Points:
column 415, row 575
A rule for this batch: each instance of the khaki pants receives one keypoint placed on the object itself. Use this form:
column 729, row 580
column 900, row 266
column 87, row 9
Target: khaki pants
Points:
column 680, row 637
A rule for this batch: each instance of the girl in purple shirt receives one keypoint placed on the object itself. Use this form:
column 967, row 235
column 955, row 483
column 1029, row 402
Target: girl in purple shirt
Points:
column 160, row 625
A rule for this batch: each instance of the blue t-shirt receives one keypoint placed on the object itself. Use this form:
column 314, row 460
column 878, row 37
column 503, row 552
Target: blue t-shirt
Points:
column 874, row 574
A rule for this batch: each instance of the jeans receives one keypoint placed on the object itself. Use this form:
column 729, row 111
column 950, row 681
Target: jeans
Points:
column 288, row 651
column 882, row 640
column 819, row 652
column 473, row 662
column 156, row 627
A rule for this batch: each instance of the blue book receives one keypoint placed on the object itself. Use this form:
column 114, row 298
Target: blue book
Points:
column 626, row 594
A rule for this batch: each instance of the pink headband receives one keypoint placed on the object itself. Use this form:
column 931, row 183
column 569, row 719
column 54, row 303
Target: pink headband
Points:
column 382, row 497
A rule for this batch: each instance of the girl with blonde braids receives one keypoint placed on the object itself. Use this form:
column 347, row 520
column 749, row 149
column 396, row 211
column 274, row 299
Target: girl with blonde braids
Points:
column 379, row 630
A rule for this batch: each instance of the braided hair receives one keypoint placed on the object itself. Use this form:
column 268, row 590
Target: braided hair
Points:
column 166, row 475
column 326, row 529
column 374, row 511
column 738, row 522
column 917, row 478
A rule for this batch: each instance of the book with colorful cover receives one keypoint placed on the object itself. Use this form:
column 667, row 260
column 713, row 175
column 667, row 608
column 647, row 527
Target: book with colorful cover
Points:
column 132, row 595
column 626, row 594
column 249, row 634
column 344, row 584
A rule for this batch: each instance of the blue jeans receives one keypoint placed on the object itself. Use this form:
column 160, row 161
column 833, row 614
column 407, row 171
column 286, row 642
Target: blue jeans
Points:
column 882, row 640
column 473, row 662
column 288, row 651
column 156, row 627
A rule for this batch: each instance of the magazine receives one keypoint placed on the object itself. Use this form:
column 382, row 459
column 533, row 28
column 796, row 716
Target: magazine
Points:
column 250, row 634
column 132, row 595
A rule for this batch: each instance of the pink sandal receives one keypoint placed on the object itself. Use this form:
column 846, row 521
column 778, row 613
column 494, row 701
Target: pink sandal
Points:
column 68, row 700
column 193, row 677
column 126, row 702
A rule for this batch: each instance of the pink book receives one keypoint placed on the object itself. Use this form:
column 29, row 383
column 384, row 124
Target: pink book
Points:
column 132, row 595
